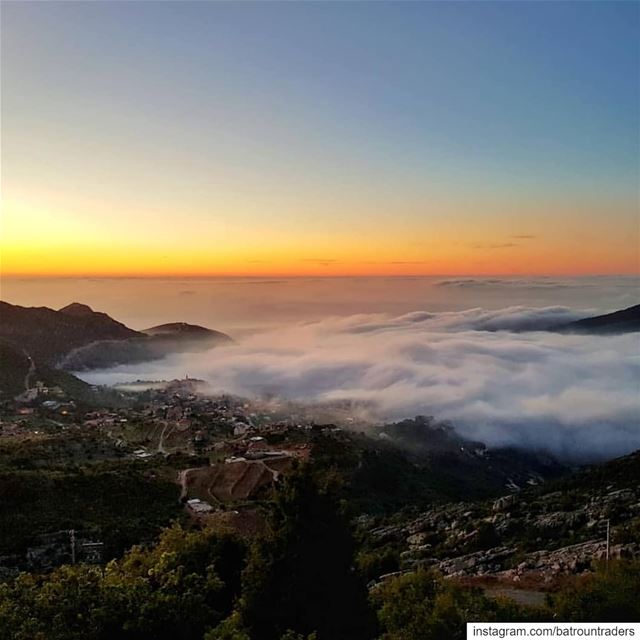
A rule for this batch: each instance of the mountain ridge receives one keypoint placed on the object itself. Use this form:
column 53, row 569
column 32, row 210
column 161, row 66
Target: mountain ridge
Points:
column 621, row 321
column 47, row 334
column 76, row 337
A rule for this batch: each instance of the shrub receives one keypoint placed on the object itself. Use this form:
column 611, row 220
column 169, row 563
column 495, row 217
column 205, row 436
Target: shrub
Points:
column 609, row 595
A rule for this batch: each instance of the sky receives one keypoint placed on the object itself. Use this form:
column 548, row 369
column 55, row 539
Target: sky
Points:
column 180, row 138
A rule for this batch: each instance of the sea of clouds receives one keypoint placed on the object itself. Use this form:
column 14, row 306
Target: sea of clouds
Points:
column 498, row 376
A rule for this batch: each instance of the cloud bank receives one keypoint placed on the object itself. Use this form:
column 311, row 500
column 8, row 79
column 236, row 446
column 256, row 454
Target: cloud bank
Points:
column 516, row 283
column 575, row 395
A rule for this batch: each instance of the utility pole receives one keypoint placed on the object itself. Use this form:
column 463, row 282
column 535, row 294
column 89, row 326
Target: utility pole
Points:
column 72, row 538
column 608, row 541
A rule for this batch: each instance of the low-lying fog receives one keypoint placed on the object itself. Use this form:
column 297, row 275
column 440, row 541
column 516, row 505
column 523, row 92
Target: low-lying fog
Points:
column 299, row 337
column 490, row 372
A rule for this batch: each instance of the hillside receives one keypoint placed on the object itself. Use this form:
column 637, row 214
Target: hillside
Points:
column 119, row 501
column 76, row 337
column 18, row 372
column 150, row 344
column 14, row 367
column 617, row 322
column 421, row 461
column 47, row 335
column 537, row 536
column 619, row 473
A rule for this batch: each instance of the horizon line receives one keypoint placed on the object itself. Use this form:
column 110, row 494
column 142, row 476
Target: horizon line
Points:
column 262, row 276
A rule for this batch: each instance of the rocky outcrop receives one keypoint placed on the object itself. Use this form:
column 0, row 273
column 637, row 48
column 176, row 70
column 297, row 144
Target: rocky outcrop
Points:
column 573, row 559
column 532, row 534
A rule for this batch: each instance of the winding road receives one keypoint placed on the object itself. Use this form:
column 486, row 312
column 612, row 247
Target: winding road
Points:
column 164, row 433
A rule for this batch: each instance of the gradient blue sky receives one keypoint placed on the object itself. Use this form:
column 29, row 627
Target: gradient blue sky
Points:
column 315, row 135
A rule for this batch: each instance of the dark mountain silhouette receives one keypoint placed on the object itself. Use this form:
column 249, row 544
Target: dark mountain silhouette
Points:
column 76, row 337
column 150, row 344
column 182, row 330
column 616, row 322
column 47, row 335
column 77, row 309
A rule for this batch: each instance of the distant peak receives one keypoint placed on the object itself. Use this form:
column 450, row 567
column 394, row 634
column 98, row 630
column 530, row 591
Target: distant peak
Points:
column 77, row 309
column 176, row 327
column 184, row 330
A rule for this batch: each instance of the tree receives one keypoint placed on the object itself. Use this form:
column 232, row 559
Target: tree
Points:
column 178, row 589
column 301, row 577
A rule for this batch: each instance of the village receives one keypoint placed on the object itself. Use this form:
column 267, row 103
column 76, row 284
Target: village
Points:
column 223, row 452
column 224, row 455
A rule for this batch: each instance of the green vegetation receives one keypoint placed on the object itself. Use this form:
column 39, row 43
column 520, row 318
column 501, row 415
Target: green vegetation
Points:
column 304, row 569
column 609, row 595
column 177, row 589
column 121, row 504
column 377, row 562
column 14, row 366
column 59, row 477
column 190, row 582
column 49, row 445
column 429, row 464
column 302, row 580
column 424, row 606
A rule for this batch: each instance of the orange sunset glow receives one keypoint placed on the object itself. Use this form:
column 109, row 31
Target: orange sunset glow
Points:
column 43, row 241
column 226, row 159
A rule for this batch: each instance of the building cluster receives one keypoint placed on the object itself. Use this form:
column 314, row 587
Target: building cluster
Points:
column 229, row 451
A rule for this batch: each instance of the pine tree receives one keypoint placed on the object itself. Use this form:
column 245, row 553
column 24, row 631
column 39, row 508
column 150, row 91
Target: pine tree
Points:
column 301, row 577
